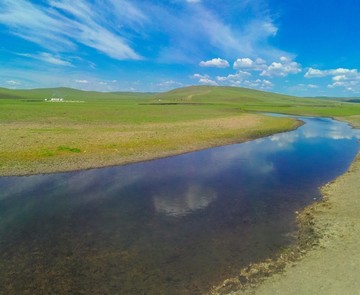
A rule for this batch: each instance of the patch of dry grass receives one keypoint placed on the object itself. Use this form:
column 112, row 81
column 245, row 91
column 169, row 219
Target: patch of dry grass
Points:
column 31, row 148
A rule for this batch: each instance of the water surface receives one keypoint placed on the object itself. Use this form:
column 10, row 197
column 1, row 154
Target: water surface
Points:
column 169, row 226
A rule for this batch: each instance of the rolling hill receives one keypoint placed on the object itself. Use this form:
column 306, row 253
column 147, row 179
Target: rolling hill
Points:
column 244, row 98
column 66, row 93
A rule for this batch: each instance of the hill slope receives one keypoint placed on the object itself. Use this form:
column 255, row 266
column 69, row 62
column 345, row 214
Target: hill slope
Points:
column 66, row 93
column 243, row 98
column 220, row 93
column 255, row 100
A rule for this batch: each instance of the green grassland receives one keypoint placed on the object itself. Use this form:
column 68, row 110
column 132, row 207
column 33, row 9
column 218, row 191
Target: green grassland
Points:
column 94, row 129
column 253, row 100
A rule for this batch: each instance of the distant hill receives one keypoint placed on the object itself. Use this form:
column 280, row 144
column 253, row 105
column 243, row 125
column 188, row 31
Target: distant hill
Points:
column 342, row 99
column 66, row 93
column 185, row 95
column 208, row 94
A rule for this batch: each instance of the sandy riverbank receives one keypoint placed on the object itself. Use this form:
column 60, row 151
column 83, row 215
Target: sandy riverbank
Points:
column 333, row 265
column 328, row 262
column 325, row 259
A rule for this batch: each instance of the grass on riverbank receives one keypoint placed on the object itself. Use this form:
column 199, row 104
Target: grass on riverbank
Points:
column 92, row 129
column 108, row 129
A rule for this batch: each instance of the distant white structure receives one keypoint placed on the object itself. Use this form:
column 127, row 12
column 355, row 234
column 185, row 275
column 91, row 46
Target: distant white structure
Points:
column 60, row 99
column 55, row 99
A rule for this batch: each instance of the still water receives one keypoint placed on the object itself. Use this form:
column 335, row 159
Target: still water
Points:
column 168, row 226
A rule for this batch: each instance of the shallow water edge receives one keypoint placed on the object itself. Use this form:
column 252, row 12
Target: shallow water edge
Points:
column 336, row 221
column 312, row 235
column 208, row 206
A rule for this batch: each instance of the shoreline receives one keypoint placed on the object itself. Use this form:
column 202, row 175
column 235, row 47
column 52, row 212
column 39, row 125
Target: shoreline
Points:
column 323, row 259
column 330, row 265
column 314, row 234
column 73, row 163
column 318, row 231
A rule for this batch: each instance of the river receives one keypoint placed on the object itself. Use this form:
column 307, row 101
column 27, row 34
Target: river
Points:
column 170, row 226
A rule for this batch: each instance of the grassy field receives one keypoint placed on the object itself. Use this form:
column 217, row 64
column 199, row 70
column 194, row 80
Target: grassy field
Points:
column 252, row 100
column 92, row 129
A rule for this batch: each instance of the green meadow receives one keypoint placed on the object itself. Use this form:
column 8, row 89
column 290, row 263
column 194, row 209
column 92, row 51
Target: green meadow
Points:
column 93, row 129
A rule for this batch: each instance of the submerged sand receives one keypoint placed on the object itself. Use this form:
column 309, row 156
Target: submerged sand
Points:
column 332, row 266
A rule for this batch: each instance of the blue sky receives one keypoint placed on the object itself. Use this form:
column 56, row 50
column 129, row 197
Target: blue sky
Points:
column 297, row 47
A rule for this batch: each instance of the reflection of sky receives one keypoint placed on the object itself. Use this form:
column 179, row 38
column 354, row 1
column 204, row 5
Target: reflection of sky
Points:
column 325, row 129
column 181, row 203
column 183, row 184
column 235, row 202
column 259, row 150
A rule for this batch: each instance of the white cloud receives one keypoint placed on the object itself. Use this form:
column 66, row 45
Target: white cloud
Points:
column 241, row 79
column 208, row 81
column 127, row 12
column 348, row 79
column 12, row 82
column 260, row 61
column 33, row 23
column 339, row 77
column 340, row 73
column 247, row 63
column 63, row 25
column 52, row 59
column 243, row 63
column 38, row 78
column 204, row 27
column 349, row 85
column 116, row 27
column 312, row 86
column 169, row 83
column 312, row 73
column 215, row 62
column 269, row 28
column 49, row 58
column 337, row 84
column 304, row 87
column 267, row 83
column 283, row 68
column 199, row 76
column 239, row 76
column 262, row 84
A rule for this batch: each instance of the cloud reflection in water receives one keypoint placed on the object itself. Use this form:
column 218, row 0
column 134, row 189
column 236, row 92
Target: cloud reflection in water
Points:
column 184, row 202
